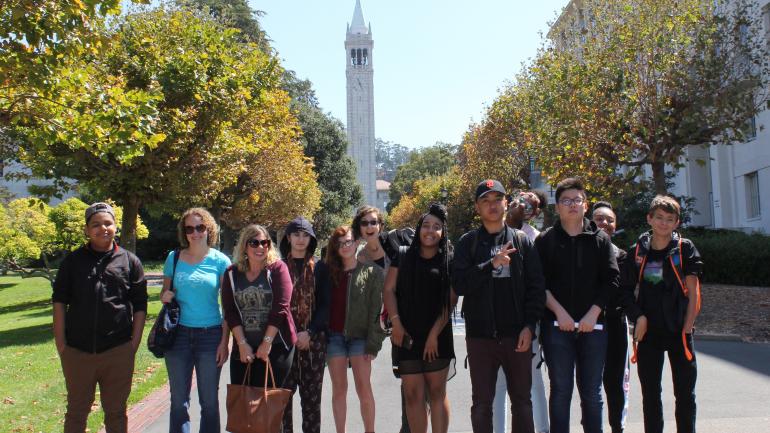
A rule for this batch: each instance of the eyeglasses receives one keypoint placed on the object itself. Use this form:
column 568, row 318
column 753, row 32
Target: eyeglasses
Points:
column 254, row 243
column 347, row 243
column 570, row 201
column 200, row 228
column 367, row 223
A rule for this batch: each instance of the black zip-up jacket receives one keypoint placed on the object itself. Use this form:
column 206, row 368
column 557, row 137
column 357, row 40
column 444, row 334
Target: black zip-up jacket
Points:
column 101, row 292
column 580, row 271
column 472, row 278
column 674, row 300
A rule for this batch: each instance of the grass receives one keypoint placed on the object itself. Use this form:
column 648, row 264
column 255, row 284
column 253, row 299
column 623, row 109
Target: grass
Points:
column 32, row 391
column 155, row 266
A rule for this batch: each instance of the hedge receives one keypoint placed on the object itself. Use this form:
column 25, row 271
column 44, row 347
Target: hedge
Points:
column 733, row 257
column 729, row 256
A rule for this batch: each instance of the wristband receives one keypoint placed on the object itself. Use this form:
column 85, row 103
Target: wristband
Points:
column 267, row 339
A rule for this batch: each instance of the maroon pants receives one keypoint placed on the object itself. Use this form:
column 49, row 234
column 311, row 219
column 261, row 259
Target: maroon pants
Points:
column 113, row 371
column 485, row 357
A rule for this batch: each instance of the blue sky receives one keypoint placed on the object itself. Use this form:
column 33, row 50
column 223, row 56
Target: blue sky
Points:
column 437, row 64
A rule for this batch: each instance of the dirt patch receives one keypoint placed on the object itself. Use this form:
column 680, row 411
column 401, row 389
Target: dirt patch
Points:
column 735, row 310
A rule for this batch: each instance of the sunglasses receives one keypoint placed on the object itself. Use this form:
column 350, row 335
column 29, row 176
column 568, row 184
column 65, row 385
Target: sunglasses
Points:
column 367, row 223
column 254, row 243
column 347, row 243
column 200, row 228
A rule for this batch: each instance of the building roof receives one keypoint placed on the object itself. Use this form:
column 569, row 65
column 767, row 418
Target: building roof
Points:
column 358, row 26
column 383, row 185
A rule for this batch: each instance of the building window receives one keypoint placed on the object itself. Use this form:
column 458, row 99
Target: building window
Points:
column 752, row 195
column 750, row 129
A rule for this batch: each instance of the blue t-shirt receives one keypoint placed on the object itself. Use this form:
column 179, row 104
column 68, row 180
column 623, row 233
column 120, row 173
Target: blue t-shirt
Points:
column 197, row 288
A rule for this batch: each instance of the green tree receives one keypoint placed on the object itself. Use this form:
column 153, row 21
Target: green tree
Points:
column 642, row 81
column 236, row 14
column 389, row 156
column 323, row 136
column 325, row 142
column 429, row 161
column 217, row 100
column 38, row 36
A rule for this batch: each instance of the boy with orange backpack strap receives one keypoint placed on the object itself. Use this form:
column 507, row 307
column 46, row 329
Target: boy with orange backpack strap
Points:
column 667, row 274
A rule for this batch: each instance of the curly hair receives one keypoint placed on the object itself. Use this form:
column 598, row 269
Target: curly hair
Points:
column 212, row 228
column 241, row 259
column 333, row 258
column 360, row 214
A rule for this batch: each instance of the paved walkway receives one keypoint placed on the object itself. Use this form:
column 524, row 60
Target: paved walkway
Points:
column 733, row 393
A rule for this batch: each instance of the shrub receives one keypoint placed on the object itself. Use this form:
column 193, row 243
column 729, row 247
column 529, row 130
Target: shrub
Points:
column 729, row 256
column 733, row 257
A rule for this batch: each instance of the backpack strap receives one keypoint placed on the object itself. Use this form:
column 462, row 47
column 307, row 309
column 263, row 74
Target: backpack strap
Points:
column 173, row 271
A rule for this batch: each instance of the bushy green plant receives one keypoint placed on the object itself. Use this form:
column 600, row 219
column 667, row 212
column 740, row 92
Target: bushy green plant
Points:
column 733, row 257
column 729, row 256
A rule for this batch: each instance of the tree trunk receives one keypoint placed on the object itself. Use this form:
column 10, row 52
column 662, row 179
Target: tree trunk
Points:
column 659, row 177
column 128, row 231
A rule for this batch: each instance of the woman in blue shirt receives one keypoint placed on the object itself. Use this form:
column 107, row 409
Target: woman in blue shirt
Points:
column 202, row 338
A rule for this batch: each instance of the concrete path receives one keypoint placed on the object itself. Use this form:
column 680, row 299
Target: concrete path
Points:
column 733, row 392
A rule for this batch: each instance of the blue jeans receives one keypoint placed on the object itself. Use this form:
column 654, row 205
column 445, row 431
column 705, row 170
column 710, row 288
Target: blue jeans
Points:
column 580, row 356
column 194, row 347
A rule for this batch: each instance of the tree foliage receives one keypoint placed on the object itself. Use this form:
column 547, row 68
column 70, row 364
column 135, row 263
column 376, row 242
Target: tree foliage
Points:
column 641, row 81
column 431, row 190
column 389, row 156
column 429, row 161
column 323, row 136
column 176, row 111
column 36, row 37
column 326, row 143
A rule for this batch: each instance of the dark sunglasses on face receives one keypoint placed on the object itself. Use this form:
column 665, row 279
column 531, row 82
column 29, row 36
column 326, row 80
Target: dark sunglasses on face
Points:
column 367, row 223
column 200, row 228
column 254, row 243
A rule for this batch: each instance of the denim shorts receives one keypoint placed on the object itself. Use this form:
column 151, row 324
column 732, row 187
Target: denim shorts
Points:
column 340, row 346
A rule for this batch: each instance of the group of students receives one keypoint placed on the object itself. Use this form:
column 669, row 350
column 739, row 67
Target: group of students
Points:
column 567, row 290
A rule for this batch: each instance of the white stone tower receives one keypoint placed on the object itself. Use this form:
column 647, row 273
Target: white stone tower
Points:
column 360, row 90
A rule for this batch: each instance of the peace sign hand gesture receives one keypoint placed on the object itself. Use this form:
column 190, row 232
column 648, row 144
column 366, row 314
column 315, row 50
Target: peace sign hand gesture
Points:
column 502, row 257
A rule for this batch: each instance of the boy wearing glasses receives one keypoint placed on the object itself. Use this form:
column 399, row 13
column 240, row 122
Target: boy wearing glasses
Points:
column 581, row 274
column 497, row 270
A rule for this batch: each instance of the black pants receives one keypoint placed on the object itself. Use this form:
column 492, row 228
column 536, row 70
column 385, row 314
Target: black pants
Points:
column 650, row 352
column 485, row 357
column 615, row 369
column 280, row 359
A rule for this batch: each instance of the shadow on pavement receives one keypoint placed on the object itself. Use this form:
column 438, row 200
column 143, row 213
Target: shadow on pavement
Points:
column 752, row 356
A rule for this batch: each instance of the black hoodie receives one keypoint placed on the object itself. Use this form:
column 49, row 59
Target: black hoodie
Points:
column 580, row 271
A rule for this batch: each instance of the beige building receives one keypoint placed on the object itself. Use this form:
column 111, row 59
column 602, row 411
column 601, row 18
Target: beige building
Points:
column 383, row 194
column 359, row 71
column 732, row 189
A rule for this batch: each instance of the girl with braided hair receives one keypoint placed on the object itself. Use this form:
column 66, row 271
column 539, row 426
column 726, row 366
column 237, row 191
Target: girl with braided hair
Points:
column 419, row 298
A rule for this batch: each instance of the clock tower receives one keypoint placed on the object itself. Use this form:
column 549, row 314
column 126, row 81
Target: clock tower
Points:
column 360, row 91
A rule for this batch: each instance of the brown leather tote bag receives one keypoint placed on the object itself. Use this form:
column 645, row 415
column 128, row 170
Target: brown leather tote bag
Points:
column 252, row 409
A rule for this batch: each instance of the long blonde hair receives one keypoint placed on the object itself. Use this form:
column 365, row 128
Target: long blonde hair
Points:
column 241, row 259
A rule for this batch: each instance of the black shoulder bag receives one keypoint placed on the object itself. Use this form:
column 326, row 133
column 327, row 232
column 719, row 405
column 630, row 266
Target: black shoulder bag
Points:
column 163, row 332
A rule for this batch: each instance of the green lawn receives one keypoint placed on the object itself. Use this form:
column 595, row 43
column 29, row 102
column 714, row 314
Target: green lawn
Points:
column 32, row 391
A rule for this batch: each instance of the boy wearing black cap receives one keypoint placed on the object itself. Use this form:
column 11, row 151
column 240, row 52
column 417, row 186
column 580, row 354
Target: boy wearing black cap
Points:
column 498, row 272
column 99, row 308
